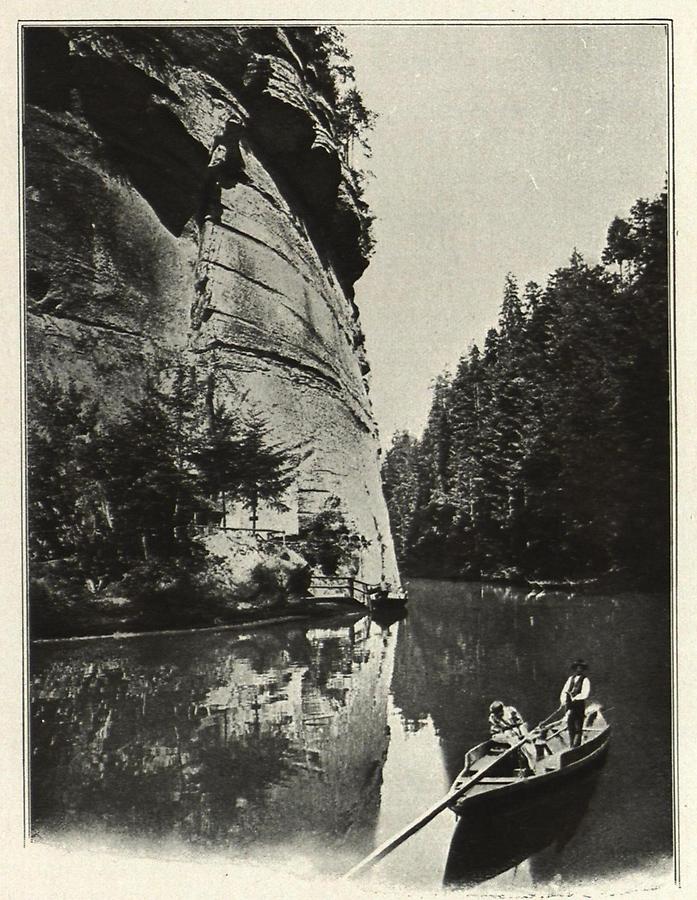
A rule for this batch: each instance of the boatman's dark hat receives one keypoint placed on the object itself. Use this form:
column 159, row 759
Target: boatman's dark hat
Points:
column 579, row 663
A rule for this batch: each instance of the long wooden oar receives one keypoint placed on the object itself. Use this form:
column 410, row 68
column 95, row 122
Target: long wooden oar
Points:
column 406, row 832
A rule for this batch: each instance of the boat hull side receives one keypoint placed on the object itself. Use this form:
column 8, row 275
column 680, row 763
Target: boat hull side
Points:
column 520, row 791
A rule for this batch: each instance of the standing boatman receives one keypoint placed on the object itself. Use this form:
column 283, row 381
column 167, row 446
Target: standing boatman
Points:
column 573, row 696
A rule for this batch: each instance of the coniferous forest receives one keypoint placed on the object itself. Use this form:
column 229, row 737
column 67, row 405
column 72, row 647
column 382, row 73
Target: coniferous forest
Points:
column 546, row 455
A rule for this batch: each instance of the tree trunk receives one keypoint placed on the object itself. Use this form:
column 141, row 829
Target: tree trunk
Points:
column 210, row 399
column 255, row 503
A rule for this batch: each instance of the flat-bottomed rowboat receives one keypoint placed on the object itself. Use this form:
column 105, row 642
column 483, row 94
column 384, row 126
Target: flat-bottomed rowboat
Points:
column 556, row 761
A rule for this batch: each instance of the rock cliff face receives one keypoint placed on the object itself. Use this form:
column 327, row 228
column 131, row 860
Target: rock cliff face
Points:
column 187, row 202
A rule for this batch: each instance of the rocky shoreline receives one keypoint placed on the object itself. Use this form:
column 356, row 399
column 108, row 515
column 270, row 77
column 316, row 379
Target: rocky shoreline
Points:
column 293, row 611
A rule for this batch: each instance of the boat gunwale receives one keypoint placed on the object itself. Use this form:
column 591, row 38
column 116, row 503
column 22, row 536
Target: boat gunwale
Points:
column 597, row 745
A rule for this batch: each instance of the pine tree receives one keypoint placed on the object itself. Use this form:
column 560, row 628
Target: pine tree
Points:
column 468, row 402
column 622, row 246
column 148, row 481
column 218, row 457
column 399, row 479
column 266, row 470
column 63, row 507
column 643, row 395
column 548, row 454
column 511, row 316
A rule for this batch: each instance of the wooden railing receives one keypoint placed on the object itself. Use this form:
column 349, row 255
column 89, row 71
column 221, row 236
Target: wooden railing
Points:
column 341, row 587
column 322, row 587
column 266, row 533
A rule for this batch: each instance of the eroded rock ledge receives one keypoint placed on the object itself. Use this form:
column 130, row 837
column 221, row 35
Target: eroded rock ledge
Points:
column 149, row 93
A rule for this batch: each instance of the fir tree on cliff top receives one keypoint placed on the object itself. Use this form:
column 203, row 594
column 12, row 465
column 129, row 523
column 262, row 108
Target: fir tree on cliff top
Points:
column 336, row 77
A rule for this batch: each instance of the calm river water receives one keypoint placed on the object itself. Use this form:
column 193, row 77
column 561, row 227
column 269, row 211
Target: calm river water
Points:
column 306, row 745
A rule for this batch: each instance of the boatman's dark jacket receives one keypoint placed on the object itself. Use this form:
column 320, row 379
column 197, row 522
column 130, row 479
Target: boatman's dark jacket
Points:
column 578, row 687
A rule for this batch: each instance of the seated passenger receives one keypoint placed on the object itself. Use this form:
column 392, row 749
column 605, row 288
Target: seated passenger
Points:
column 507, row 727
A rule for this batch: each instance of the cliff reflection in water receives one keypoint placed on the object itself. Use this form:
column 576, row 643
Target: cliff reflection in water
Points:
column 220, row 738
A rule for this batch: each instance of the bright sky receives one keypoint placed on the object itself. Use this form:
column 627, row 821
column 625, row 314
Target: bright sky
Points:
column 497, row 148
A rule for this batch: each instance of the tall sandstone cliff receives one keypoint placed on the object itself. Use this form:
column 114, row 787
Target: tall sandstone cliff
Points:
column 187, row 203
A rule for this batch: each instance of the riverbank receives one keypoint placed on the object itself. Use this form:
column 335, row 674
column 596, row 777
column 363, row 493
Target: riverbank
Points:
column 82, row 618
column 233, row 579
column 296, row 612
column 603, row 583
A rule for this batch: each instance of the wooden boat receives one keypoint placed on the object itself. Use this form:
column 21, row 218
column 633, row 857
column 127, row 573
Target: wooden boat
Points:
column 507, row 782
column 489, row 841
column 389, row 600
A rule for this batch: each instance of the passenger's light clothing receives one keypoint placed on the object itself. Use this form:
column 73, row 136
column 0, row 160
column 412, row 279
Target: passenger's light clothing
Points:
column 509, row 728
column 509, row 720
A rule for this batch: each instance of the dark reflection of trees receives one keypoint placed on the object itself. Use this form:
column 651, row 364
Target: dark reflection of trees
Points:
column 384, row 618
column 333, row 656
column 230, row 782
column 489, row 842
column 464, row 645
column 264, row 651
column 205, row 737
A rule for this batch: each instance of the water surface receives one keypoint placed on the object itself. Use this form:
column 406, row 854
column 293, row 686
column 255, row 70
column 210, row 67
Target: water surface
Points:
column 306, row 745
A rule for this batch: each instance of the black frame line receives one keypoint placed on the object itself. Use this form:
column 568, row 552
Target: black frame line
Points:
column 669, row 25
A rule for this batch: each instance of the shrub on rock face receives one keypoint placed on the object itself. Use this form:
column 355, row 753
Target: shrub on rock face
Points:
column 288, row 570
column 297, row 572
column 250, row 571
column 327, row 541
